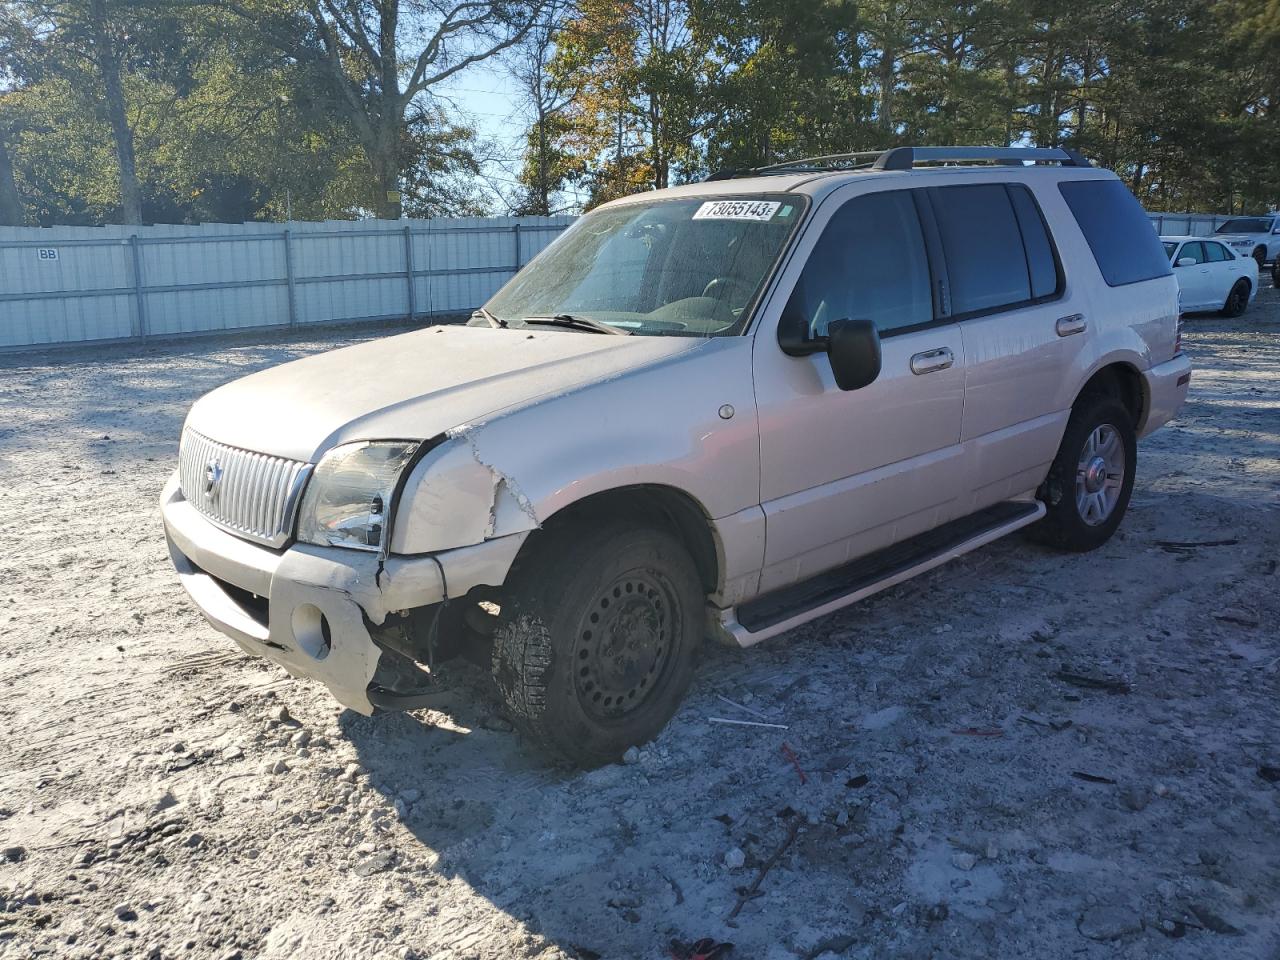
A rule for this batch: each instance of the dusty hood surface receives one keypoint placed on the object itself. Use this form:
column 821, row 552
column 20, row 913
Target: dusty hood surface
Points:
column 412, row 386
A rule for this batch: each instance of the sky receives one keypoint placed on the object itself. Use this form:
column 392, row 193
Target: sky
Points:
column 487, row 98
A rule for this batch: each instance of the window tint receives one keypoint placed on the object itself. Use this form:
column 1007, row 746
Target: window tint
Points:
column 1217, row 252
column 986, row 265
column 1192, row 251
column 1041, row 264
column 869, row 263
column 1245, row 225
column 1119, row 233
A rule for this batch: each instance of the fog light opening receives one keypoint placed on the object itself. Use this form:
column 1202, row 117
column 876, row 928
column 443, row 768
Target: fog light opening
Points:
column 311, row 630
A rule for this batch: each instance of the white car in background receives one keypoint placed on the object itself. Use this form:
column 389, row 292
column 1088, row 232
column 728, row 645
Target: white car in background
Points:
column 1256, row 237
column 1211, row 276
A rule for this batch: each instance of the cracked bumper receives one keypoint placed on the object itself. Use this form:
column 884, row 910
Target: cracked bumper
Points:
column 308, row 608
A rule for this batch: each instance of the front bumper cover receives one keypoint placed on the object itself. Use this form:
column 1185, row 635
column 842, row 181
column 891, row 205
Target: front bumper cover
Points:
column 309, row 608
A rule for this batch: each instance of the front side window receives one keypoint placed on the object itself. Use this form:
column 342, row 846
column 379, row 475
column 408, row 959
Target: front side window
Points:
column 1192, row 251
column 1117, row 230
column 685, row 267
column 869, row 263
column 986, row 266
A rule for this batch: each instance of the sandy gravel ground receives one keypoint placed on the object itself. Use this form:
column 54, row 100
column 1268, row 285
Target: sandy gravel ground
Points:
column 964, row 792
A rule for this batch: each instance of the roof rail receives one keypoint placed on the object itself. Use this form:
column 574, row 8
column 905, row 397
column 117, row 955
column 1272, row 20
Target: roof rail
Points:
column 815, row 163
column 907, row 158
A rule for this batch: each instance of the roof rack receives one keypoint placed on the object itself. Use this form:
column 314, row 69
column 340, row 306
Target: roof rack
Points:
column 907, row 158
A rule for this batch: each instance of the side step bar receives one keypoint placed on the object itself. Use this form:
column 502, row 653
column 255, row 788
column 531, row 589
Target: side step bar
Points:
column 781, row 610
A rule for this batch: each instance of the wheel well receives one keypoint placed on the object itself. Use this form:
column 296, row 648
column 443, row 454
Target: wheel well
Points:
column 1123, row 382
column 660, row 506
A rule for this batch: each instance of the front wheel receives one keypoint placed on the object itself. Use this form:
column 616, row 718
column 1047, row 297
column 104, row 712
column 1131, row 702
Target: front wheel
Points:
column 597, row 639
column 1087, row 490
column 1275, row 272
column 1237, row 299
column 1261, row 256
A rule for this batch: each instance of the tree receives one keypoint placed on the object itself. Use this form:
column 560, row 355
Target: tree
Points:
column 546, row 96
column 380, row 56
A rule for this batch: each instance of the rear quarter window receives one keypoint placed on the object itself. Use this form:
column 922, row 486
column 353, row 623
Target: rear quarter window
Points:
column 1123, row 242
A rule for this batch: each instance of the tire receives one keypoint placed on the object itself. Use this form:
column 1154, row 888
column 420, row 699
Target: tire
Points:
column 1275, row 272
column 597, row 639
column 1261, row 256
column 1237, row 299
column 1077, row 520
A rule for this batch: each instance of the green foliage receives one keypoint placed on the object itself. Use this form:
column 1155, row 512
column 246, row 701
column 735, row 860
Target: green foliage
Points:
column 1178, row 97
column 259, row 109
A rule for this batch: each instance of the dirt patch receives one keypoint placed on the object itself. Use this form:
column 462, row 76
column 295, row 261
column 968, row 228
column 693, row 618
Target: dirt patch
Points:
column 1021, row 754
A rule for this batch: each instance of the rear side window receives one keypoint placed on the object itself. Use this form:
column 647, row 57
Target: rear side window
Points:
column 982, row 242
column 1123, row 242
column 1217, row 252
column 1042, row 265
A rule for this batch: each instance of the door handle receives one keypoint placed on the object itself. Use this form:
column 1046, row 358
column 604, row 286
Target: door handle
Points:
column 932, row 360
column 1075, row 323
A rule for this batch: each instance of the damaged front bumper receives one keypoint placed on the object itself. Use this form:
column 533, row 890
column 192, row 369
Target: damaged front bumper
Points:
column 310, row 608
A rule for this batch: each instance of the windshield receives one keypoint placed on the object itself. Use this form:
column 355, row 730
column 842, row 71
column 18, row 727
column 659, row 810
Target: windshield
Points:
column 1169, row 248
column 1246, row 225
column 685, row 267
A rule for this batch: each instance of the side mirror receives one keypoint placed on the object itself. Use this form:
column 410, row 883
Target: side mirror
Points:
column 853, row 347
column 1187, row 262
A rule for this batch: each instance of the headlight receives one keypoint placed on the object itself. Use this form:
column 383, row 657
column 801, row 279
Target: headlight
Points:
column 349, row 494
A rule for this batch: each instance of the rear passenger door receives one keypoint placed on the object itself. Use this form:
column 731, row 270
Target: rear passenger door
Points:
column 1022, row 328
column 1225, row 268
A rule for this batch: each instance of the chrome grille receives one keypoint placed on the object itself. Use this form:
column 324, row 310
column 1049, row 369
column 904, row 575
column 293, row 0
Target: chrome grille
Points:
column 249, row 494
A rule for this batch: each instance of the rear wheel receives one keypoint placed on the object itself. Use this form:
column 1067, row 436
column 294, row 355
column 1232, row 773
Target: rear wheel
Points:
column 597, row 639
column 1090, row 481
column 1237, row 299
column 1275, row 271
column 1260, row 255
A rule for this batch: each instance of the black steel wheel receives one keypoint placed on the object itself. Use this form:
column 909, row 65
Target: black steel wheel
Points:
column 597, row 639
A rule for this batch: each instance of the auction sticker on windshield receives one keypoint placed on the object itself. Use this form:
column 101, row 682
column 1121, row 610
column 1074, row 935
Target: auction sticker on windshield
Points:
column 737, row 210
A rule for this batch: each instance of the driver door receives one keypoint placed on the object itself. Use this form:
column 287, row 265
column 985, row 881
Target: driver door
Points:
column 844, row 473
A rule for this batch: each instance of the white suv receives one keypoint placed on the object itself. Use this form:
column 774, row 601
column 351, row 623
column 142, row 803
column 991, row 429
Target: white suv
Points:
column 1257, row 237
column 719, row 409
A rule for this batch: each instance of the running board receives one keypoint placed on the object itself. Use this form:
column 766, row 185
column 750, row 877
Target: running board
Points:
column 781, row 610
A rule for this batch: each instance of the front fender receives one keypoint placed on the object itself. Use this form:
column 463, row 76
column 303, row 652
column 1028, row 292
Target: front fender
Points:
column 688, row 423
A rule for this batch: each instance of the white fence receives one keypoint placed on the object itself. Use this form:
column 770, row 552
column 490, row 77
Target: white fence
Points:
column 1187, row 224
column 77, row 284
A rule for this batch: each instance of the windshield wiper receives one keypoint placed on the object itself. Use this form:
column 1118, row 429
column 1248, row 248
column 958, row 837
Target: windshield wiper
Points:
column 493, row 321
column 575, row 322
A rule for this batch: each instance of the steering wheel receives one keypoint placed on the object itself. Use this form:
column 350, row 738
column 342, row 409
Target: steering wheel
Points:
column 721, row 287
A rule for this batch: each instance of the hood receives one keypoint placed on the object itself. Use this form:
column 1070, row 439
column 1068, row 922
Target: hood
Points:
column 413, row 386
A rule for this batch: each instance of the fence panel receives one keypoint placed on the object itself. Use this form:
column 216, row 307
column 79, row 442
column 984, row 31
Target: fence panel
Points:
column 81, row 284
column 1187, row 224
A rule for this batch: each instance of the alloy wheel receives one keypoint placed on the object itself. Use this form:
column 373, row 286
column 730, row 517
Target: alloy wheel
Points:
column 1100, row 475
